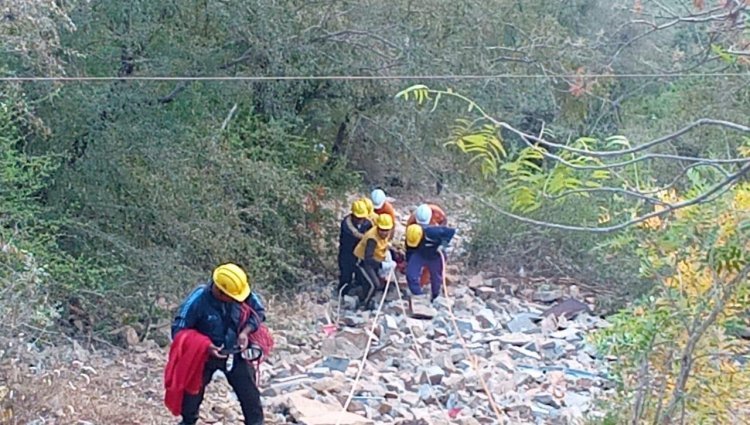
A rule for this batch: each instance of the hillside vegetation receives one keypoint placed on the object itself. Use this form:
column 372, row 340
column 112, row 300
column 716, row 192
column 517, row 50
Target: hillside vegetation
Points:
column 602, row 141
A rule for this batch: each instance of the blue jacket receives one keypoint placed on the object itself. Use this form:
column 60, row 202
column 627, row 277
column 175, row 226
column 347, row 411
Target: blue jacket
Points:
column 434, row 237
column 217, row 320
column 350, row 235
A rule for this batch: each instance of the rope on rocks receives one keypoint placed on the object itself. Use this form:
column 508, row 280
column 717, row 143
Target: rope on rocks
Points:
column 366, row 350
column 461, row 340
column 416, row 346
column 472, row 358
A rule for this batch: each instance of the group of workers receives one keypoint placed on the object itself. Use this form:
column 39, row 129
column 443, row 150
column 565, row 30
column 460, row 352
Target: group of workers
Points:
column 368, row 255
column 215, row 326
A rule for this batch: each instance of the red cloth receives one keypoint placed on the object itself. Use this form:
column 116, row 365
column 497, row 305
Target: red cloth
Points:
column 184, row 371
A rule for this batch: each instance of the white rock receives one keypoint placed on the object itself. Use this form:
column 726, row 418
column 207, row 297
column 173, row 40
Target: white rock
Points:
column 518, row 339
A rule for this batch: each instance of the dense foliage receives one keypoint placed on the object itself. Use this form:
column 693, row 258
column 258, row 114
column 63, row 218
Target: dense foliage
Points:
column 117, row 196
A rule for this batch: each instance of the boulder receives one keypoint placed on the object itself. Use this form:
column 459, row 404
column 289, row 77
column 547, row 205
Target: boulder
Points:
column 569, row 309
column 520, row 324
column 518, row 339
column 547, row 296
column 432, row 374
column 313, row 412
column 518, row 352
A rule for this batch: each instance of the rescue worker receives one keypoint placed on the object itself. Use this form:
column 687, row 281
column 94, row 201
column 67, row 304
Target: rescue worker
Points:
column 371, row 214
column 353, row 228
column 372, row 252
column 428, row 214
column 424, row 248
column 381, row 204
column 214, row 310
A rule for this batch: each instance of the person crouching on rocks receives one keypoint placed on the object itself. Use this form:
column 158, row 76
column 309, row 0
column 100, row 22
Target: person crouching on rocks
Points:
column 373, row 254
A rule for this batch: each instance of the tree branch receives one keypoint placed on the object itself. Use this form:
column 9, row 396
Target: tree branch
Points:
column 703, row 198
column 625, row 192
column 179, row 88
column 528, row 138
column 686, row 358
column 602, row 154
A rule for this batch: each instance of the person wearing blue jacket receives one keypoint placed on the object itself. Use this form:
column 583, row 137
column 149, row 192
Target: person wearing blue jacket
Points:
column 214, row 310
column 424, row 248
column 353, row 228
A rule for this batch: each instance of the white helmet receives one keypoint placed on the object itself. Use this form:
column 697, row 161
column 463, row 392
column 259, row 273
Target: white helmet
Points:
column 378, row 198
column 423, row 214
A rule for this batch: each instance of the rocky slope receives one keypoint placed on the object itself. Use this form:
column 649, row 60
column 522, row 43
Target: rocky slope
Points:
column 498, row 351
column 531, row 354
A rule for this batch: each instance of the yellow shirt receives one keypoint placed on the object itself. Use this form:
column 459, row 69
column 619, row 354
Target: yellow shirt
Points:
column 381, row 245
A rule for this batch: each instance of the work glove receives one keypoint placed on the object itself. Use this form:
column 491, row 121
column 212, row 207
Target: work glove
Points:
column 386, row 267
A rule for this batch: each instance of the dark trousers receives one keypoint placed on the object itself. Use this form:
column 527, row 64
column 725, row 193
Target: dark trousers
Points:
column 242, row 380
column 368, row 281
column 414, row 272
column 347, row 268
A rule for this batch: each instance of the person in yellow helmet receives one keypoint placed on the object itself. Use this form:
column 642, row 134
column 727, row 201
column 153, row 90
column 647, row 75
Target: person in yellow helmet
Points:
column 372, row 253
column 424, row 249
column 353, row 228
column 371, row 214
column 213, row 310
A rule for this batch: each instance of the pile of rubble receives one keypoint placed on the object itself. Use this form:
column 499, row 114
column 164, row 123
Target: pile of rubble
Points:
column 530, row 355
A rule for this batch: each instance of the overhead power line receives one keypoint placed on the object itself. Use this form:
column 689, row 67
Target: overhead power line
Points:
column 371, row 77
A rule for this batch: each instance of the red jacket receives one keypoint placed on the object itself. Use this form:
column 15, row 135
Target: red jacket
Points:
column 184, row 371
column 387, row 208
column 438, row 217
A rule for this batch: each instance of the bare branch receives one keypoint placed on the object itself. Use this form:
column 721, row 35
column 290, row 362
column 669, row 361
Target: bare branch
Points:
column 179, row 88
column 669, row 208
column 224, row 124
column 626, row 192
column 601, row 154
column 527, row 138
column 686, row 358
column 357, row 32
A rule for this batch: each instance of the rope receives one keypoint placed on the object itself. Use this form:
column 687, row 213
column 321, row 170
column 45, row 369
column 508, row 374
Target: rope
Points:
column 370, row 77
column 367, row 349
column 416, row 346
column 472, row 358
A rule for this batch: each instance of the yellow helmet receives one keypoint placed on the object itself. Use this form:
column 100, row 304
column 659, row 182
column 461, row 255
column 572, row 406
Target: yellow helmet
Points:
column 359, row 209
column 384, row 221
column 232, row 281
column 414, row 235
column 368, row 203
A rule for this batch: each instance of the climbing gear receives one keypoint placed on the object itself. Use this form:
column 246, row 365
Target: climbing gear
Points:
column 378, row 198
column 384, row 222
column 423, row 214
column 232, row 281
column 359, row 209
column 260, row 342
column 414, row 234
